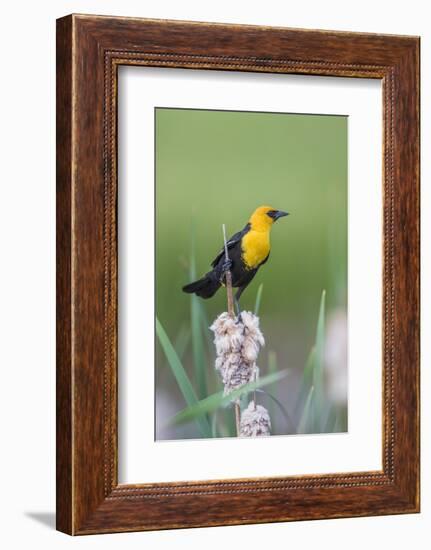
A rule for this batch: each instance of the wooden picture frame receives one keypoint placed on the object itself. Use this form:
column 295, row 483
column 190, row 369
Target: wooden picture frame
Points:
column 89, row 51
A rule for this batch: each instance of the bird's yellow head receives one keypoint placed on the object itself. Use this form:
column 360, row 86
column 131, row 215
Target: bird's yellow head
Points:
column 264, row 216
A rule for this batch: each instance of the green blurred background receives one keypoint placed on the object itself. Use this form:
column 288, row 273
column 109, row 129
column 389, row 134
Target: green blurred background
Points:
column 215, row 167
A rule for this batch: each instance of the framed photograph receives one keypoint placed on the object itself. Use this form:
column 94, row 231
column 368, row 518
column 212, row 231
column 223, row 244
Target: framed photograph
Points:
column 237, row 274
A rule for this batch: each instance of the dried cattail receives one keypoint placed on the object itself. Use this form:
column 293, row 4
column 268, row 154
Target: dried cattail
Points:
column 255, row 421
column 237, row 344
column 253, row 337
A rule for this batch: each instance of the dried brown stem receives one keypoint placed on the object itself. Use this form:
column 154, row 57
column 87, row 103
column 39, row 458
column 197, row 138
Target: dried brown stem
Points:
column 231, row 311
column 228, row 279
column 238, row 418
column 254, row 393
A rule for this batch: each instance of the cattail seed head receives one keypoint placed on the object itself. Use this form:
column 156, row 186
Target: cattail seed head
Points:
column 255, row 421
column 237, row 343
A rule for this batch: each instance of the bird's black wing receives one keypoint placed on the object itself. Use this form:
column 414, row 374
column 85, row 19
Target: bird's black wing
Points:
column 234, row 240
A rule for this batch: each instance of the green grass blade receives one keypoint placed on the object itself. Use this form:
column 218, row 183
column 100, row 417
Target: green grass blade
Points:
column 305, row 421
column 318, row 369
column 198, row 345
column 309, row 367
column 258, row 299
column 307, row 380
column 181, row 376
column 198, row 348
column 313, row 375
column 212, row 378
column 320, row 331
column 217, row 400
column 272, row 367
column 182, row 341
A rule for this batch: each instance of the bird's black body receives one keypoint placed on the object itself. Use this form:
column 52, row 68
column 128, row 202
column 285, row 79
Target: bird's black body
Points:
column 241, row 274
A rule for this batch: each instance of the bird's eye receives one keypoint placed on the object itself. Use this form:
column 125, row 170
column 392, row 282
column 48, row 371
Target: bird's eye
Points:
column 272, row 213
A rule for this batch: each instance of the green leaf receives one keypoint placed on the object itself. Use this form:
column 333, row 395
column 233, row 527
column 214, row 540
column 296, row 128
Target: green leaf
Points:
column 313, row 376
column 199, row 357
column 182, row 340
column 305, row 421
column 217, row 400
column 318, row 369
column 272, row 367
column 181, row 376
column 198, row 349
column 258, row 299
column 307, row 379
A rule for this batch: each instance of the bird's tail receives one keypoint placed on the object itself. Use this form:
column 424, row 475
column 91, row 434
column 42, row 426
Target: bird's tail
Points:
column 205, row 287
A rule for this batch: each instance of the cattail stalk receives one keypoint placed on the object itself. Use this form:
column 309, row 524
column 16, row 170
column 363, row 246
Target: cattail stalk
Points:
column 228, row 276
column 237, row 342
column 230, row 309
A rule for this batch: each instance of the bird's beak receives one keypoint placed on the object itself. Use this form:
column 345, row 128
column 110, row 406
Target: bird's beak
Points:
column 280, row 214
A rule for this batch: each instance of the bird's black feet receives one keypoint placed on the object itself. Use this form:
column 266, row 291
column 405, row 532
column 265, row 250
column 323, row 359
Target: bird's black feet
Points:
column 227, row 264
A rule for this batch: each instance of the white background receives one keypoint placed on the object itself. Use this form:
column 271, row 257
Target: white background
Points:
column 27, row 125
column 141, row 458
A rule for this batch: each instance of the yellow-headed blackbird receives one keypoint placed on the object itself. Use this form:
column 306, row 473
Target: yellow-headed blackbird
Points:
column 248, row 250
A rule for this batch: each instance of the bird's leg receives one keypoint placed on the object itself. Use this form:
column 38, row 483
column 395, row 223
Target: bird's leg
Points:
column 238, row 309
